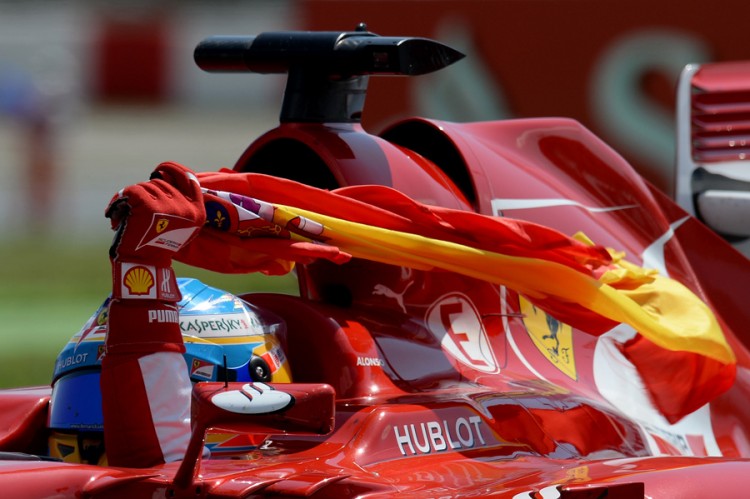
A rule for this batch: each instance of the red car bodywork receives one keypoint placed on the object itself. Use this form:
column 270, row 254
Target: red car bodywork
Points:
column 522, row 416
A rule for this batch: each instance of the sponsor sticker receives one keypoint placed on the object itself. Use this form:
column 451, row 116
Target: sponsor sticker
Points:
column 71, row 360
column 138, row 281
column 455, row 322
column 202, row 369
column 168, row 232
column 439, row 435
column 551, row 337
column 96, row 327
column 147, row 282
column 274, row 357
column 161, row 316
column 217, row 326
column 253, row 398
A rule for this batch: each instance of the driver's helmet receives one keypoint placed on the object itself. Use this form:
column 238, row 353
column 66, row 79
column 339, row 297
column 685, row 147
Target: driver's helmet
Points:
column 226, row 339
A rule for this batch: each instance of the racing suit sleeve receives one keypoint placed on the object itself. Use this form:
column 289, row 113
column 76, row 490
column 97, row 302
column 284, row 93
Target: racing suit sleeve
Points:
column 146, row 389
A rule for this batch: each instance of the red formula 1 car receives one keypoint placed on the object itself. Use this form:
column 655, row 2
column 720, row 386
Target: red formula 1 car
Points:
column 444, row 383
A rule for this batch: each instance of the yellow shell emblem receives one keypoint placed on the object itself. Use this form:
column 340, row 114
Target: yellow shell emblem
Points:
column 139, row 280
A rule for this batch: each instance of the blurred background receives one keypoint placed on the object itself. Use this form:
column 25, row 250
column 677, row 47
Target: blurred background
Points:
column 93, row 96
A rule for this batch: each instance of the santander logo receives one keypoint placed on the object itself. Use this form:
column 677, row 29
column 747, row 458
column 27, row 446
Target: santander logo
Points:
column 253, row 398
column 455, row 322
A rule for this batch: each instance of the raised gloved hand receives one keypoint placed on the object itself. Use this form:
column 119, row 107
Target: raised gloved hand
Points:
column 144, row 381
column 153, row 220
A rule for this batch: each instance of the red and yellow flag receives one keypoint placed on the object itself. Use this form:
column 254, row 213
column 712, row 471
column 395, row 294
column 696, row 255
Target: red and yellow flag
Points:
column 280, row 221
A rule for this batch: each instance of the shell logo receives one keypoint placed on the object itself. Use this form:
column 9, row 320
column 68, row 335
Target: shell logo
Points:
column 139, row 280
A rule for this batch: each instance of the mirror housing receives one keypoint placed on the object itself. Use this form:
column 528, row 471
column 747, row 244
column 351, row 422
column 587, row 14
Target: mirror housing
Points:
column 258, row 408
column 713, row 146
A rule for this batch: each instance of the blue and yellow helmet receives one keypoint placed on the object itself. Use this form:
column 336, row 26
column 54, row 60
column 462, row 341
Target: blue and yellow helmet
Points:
column 226, row 338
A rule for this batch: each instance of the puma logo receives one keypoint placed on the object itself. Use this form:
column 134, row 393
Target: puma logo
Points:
column 383, row 290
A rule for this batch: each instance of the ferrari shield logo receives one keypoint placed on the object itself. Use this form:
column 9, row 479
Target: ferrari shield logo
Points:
column 553, row 338
column 161, row 224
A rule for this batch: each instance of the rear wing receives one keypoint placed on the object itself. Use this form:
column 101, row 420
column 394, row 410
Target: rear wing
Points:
column 713, row 146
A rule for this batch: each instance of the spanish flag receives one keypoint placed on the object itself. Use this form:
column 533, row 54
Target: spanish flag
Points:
column 263, row 223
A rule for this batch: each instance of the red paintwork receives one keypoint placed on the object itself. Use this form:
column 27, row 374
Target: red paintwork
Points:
column 413, row 418
column 723, row 77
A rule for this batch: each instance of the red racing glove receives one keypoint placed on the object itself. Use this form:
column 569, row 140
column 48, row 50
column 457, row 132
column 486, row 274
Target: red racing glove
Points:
column 153, row 220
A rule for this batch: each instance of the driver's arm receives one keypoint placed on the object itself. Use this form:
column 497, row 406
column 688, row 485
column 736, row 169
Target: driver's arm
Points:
column 145, row 385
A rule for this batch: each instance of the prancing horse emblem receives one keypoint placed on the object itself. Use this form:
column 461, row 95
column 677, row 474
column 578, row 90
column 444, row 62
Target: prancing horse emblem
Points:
column 554, row 339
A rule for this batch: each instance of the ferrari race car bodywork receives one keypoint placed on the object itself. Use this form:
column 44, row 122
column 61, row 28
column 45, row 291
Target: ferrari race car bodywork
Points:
column 434, row 384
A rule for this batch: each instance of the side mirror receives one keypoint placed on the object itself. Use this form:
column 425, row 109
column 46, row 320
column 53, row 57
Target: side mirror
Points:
column 726, row 212
column 713, row 146
column 260, row 408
